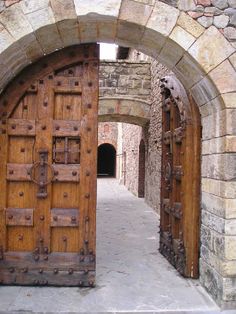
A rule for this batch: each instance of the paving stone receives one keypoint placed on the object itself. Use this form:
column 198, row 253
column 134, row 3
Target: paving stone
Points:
column 131, row 275
column 221, row 21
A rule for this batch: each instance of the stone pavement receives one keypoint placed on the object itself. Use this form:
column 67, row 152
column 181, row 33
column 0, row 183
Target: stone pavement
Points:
column 131, row 274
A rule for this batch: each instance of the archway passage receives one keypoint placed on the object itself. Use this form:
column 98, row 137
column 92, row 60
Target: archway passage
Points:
column 106, row 160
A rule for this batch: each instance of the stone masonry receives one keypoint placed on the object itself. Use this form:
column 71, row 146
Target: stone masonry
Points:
column 203, row 59
column 220, row 13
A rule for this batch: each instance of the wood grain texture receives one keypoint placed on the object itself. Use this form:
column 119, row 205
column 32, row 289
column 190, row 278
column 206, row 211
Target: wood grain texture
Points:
column 48, row 172
column 180, row 182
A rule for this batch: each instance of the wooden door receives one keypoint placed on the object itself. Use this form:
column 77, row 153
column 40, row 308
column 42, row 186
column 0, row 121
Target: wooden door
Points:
column 180, row 192
column 48, row 151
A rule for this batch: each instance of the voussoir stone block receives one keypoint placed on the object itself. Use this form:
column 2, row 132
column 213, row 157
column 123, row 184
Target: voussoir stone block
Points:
column 170, row 54
column 190, row 25
column 209, row 53
column 188, row 71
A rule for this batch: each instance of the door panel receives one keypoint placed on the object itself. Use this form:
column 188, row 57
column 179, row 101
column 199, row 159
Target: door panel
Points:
column 48, row 172
column 180, row 206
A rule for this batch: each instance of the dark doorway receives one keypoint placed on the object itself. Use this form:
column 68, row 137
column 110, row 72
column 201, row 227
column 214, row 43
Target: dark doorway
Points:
column 141, row 179
column 106, row 160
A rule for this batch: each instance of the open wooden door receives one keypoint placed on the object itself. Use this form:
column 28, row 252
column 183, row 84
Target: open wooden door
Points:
column 48, row 155
column 180, row 192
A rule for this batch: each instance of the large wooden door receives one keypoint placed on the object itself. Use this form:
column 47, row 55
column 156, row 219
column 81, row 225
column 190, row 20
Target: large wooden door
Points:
column 180, row 192
column 48, row 152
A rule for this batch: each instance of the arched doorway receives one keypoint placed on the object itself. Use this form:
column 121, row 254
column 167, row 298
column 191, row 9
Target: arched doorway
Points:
column 106, row 160
column 141, row 173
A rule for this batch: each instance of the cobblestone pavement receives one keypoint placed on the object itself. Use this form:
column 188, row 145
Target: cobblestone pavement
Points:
column 131, row 274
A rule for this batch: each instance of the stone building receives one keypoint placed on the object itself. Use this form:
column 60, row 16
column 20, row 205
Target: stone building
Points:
column 194, row 39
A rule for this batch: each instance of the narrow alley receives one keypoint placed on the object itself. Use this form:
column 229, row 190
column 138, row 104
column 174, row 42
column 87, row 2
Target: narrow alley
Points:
column 131, row 274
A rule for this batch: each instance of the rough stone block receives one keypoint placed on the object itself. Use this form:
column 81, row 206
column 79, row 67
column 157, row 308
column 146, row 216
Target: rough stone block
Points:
column 63, row 10
column 210, row 53
column 163, row 18
column 95, row 9
column 211, row 280
column 190, row 25
column 41, row 18
column 232, row 3
column 232, row 60
column 220, row 4
column 186, row 5
column 106, row 31
column 5, row 39
column 229, row 100
column 230, row 245
column 15, row 22
column 224, row 77
column 205, row 21
column 219, row 166
column 135, row 12
column 219, row 145
column 221, row 21
column 225, row 189
column 182, row 38
column 29, row 6
column 224, row 267
column 230, row 33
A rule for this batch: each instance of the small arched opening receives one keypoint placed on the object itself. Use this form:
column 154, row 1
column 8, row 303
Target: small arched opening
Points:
column 106, row 160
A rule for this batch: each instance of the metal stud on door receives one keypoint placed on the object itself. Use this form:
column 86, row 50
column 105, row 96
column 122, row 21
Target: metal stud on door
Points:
column 47, row 176
column 180, row 178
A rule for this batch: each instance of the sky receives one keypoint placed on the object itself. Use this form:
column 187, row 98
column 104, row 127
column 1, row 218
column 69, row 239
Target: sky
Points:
column 108, row 51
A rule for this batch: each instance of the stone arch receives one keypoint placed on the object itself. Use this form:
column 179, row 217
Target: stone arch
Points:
column 205, row 67
column 128, row 110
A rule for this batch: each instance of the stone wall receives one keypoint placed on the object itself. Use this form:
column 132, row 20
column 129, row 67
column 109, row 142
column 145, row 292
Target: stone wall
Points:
column 153, row 138
column 125, row 79
column 131, row 137
column 107, row 133
column 220, row 13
